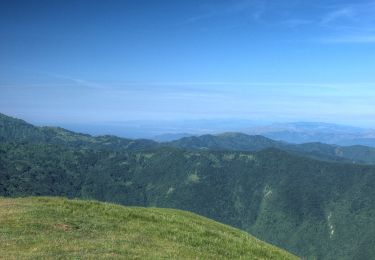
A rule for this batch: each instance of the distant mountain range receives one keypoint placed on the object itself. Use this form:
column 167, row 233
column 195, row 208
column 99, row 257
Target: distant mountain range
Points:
column 244, row 142
column 170, row 137
column 20, row 131
column 310, row 199
column 298, row 132
column 316, row 132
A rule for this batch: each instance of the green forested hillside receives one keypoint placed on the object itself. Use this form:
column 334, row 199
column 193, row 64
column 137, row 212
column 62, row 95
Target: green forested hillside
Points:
column 19, row 131
column 309, row 207
column 244, row 142
column 72, row 229
column 227, row 141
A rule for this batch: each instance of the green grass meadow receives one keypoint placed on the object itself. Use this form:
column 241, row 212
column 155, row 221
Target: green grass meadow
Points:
column 58, row 228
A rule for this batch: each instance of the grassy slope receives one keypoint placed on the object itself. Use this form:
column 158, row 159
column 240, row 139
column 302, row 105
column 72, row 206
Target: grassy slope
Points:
column 51, row 228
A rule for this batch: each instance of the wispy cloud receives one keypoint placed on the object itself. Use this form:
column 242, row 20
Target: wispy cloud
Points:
column 250, row 8
column 340, row 23
column 187, row 85
column 58, row 80
column 296, row 22
column 189, row 99
column 348, row 12
column 349, row 39
column 351, row 23
column 77, row 81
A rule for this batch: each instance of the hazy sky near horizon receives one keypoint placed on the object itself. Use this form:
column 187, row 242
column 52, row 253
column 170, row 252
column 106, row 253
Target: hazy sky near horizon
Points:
column 270, row 60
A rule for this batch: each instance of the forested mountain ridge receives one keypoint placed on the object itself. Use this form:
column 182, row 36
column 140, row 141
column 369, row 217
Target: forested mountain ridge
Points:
column 244, row 142
column 309, row 207
column 17, row 130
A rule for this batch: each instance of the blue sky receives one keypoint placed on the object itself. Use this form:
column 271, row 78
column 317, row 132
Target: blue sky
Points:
column 100, row 61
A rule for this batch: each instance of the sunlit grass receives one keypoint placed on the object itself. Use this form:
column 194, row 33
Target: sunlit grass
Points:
column 51, row 228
